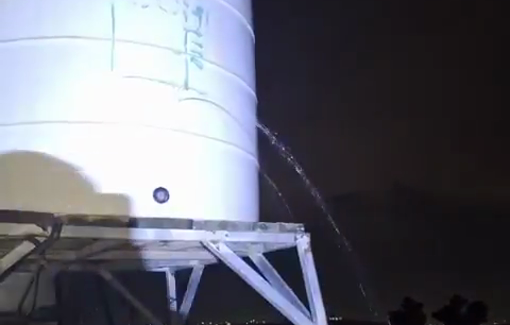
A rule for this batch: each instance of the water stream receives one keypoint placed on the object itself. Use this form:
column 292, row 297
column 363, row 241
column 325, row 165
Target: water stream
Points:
column 341, row 240
column 278, row 193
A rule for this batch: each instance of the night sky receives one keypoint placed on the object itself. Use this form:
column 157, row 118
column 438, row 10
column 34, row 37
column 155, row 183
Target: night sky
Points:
column 395, row 110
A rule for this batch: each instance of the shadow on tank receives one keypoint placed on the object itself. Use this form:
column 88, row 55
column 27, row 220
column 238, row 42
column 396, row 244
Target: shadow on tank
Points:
column 38, row 182
column 33, row 188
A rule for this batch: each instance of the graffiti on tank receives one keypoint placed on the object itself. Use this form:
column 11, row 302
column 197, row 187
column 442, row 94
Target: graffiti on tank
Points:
column 171, row 7
column 195, row 18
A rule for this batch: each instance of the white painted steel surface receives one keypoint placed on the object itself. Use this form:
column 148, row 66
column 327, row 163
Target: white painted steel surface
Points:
column 102, row 102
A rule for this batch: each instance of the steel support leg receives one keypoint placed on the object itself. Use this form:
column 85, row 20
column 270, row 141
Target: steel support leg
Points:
column 29, row 246
column 110, row 279
column 172, row 297
column 272, row 276
column 96, row 247
column 191, row 290
column 312, row 286
column 257, row 282
column 9, row 261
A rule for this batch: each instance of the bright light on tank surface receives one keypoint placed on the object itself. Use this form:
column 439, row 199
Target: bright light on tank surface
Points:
column 140, row 108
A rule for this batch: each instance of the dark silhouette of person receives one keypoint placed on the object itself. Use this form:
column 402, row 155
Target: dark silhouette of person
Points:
column 476, row 313
column 410, row 313
column 452, row 313
column 459, row 312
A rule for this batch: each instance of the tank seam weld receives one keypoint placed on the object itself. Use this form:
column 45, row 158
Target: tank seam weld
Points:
column 250, row 155
column 160, row 47
column 223, row 110
column 237, row 13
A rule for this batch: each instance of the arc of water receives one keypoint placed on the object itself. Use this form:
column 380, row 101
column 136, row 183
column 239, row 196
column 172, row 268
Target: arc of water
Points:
column 291, row 160
column 314, row 191
column 280, row 195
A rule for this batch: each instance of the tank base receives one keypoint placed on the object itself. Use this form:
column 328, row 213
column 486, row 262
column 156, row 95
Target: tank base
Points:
column 31, row 241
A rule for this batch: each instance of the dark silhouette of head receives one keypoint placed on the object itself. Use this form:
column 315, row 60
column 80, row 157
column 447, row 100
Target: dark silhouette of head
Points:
column 459, row 312
column 410, row 313
column 476, row 313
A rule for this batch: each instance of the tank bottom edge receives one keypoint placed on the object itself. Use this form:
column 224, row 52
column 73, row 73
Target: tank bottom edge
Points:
column 46, row 218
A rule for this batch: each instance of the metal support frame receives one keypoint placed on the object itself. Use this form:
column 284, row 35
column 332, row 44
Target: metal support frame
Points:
column 8, row 262
column 272, row 276
column 29, row 246
column 313, row 290
column 272, row 287
column 114, row 283
column 257, row 282
column 172, row 249
column 191, row 290
column 172, row 297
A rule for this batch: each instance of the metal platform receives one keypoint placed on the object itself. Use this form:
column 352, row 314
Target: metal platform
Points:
column 30, row 241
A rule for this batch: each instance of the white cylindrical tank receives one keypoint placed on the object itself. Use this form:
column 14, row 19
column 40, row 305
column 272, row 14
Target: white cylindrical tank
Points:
column 144, row 108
